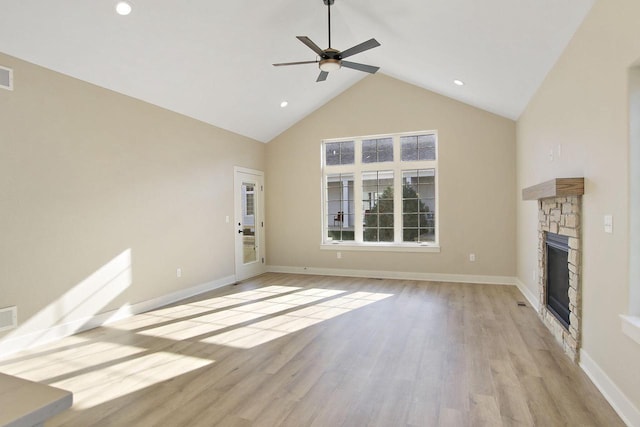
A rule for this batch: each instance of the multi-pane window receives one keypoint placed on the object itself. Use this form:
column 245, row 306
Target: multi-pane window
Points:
column 381, row 190
column 418, row 147
column 339, row 153
column 377, row 202
column 377, row 150
column 418, row 205
column 340, row 207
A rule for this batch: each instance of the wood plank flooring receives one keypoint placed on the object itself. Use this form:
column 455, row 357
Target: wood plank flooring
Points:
column 290, row 350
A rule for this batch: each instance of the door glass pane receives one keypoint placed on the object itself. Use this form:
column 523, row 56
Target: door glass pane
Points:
column 249, row 252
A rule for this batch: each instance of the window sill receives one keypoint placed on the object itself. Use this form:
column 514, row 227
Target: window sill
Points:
column 343, row 246
column 631, row 327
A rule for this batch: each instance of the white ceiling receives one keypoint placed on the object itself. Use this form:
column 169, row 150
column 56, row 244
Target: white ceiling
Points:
column 211, row 59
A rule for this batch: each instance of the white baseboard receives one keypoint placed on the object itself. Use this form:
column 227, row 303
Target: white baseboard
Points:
column 402, row 275
column 616, row 398
column 533, row 300
column 17, row 342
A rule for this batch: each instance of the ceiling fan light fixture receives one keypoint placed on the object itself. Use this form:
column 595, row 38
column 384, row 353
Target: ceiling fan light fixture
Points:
column 328, row 65
column 123, row 8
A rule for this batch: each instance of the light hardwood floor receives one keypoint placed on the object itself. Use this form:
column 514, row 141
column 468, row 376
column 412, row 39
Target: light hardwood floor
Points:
column 323, row 351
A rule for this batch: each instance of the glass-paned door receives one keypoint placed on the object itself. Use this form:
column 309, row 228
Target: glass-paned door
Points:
column 249, row 197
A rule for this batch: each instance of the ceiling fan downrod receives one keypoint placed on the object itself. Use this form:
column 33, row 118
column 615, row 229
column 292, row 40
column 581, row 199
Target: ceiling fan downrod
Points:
column 329, row 3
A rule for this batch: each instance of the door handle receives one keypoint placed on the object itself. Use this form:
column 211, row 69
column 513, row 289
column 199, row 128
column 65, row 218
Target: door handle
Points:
column 239, row 231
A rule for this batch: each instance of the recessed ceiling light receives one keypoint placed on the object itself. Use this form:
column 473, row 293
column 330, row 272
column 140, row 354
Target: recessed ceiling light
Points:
column 458, row 82
column 284, row 104
column 123, row 8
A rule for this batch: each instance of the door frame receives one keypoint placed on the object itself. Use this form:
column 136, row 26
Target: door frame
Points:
column 243, row 272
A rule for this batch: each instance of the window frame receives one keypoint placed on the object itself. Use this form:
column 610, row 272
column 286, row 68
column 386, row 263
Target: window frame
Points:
column 631, row 319
column 397, row 167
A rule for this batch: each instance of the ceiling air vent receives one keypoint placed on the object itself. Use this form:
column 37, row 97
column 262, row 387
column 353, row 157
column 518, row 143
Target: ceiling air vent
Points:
column 6, row 78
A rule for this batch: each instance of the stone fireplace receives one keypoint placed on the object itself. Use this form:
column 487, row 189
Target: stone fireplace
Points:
column 559, row 213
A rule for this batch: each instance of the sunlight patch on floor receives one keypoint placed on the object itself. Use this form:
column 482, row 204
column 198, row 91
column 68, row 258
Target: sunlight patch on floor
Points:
column 276, row 327
column 230, row 318
column 70, row 360
column 176, row 312
column 90, row 389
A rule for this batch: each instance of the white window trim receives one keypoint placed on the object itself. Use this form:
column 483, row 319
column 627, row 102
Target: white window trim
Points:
column 631, row 320
column 397, row 167
column 380, row 247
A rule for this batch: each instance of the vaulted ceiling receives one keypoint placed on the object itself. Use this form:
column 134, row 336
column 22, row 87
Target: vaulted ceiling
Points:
column 211, row 60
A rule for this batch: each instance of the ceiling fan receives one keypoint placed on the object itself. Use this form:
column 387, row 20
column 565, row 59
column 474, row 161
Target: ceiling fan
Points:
column 332, row 59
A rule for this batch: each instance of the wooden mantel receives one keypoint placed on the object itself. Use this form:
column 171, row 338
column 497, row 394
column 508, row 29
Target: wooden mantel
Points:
column 558, row 187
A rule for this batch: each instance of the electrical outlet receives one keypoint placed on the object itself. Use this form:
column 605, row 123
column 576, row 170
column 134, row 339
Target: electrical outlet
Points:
column 339, row 255
column 178, row 272
column 472, row 257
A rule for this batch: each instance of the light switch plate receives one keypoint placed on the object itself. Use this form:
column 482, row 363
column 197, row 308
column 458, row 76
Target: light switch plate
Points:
column 608, row 223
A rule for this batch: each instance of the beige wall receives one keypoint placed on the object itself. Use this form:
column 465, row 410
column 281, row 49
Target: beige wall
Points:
column 88, row 176
column 583, row 106
column 476, row 181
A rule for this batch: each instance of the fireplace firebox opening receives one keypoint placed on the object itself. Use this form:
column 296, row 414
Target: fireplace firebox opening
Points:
column 557, row 275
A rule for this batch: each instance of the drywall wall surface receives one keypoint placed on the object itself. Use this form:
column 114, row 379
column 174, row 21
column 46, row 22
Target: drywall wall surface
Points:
column 103, row 197
column 476, row 173
column 577, row 125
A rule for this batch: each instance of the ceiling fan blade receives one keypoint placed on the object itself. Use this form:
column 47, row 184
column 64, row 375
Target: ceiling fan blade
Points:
column 360, row 67
column 369, row 44
column 314, row 47
column 322, row 76
column 295, row 63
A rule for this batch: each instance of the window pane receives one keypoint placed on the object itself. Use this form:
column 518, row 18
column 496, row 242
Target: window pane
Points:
column 332, row 153
column 377, row 150
column 418, row 147
column 426, row 147
column 385, row 150
column 340, row 207
column 408, row 148
column 386, row 235
column 418, row 205
column 339, row 153
column 369, row 151
column 377, row 200
column 347, row 153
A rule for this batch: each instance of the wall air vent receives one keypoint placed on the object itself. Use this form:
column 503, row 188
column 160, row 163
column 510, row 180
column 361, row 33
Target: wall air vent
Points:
column 8, row 318
column 6, row 78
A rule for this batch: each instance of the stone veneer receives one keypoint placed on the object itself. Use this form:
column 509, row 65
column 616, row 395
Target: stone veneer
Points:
column 561, row 215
